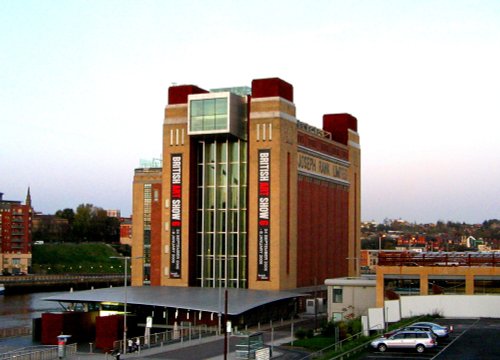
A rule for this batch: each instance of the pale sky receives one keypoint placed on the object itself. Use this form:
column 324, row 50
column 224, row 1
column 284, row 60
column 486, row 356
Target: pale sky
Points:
column 83, row 87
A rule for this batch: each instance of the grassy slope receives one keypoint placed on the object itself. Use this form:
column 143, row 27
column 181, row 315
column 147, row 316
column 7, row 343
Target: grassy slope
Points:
column 75, row 258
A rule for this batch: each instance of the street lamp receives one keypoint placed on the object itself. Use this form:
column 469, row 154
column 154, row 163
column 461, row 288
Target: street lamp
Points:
column 126, row 259
column 380, row 242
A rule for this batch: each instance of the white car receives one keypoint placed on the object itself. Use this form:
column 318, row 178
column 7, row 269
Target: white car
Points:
column 418, row 340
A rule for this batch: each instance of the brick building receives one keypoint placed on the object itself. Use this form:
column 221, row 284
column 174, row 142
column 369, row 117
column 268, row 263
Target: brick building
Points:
column 248, row 196
column 15, row 235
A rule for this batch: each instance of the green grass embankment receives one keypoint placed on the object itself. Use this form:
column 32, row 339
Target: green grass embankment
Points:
column 68, row 258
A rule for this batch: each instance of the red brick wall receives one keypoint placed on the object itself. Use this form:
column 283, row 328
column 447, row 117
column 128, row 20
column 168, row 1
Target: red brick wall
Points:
column 322, row 248
column 7, row 229
column 323, row 145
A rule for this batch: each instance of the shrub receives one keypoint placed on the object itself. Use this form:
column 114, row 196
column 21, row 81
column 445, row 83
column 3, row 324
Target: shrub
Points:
column 328, row 329
column 300, row 333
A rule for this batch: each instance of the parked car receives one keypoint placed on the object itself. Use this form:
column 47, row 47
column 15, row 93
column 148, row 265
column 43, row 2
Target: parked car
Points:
column 440, row 331
column 418, row 340
column 410, row 328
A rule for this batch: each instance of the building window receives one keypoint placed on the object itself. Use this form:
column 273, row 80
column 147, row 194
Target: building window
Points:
column 337, row 294
column 221, row 214
column 208, row 115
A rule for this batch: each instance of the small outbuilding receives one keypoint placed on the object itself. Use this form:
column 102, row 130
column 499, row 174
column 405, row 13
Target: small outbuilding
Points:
column 350, row 297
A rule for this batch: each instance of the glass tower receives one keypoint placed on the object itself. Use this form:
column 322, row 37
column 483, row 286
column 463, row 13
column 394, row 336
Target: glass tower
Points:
column 221, row 179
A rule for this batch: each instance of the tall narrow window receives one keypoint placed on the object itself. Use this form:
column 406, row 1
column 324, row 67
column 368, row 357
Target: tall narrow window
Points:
column 221, row 224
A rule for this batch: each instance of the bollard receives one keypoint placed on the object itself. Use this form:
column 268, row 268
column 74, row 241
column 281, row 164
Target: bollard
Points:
column 90, row 345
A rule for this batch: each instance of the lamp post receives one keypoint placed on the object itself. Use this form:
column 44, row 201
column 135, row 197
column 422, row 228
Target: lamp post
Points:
column 380, row 242
column 125, row 259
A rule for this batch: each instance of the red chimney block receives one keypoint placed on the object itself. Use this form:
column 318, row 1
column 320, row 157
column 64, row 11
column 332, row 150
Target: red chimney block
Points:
column 272, row 87
column 179, row 94
column 338, row 125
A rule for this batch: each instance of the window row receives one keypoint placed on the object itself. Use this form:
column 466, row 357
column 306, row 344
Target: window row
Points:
column 220, row 151
column 213, row 269
column 221, row 245
column 209, row 175
column 208, row 114
column 219, row 199
column 222, row 221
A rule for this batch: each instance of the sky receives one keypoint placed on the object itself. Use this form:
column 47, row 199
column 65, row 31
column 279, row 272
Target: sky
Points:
column 84, row 84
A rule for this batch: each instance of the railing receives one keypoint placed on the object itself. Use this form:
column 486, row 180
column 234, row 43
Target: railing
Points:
column 314, row 130
column 55, row 279
column 13, row 332
column 338, row 346
column 406, row 258
column 183, row 333
column 38, row 353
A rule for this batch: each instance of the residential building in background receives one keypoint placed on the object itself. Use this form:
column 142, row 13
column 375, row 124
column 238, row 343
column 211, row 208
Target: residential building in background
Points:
column 113, row 213
column 247, row 195
column 48, row 228
column 15, row 235
column 126, row 231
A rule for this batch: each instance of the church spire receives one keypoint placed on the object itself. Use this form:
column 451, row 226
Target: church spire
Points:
column 28, row 198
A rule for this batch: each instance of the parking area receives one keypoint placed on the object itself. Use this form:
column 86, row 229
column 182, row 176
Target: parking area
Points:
column 471, row 339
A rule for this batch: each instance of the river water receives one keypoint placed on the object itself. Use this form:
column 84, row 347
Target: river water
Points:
column 18, row 310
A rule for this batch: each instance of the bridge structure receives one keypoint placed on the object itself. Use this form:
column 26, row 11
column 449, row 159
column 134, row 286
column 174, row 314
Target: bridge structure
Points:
column 35, row 283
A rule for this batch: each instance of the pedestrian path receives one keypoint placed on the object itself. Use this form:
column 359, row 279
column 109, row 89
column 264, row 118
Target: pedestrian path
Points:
column 85, row 352
column 151, row 352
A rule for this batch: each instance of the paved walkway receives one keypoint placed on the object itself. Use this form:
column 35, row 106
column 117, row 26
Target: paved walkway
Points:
column 207, row 348
column 187, row 350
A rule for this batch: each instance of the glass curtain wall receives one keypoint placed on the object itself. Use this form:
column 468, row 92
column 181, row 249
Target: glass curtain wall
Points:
column 222, row 214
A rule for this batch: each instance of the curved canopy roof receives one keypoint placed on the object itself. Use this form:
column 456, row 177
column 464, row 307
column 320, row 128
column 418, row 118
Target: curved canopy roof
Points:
column 191, row 298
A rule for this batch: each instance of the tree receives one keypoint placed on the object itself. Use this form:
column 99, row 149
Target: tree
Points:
column 67, row 214
column 82, row 222
column 92, row 223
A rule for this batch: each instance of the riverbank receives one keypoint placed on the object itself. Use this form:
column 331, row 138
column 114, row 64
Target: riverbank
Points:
column 68, row 282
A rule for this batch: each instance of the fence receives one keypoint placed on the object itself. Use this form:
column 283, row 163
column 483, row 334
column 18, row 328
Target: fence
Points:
column 337, row 346
column 350, row 351
column 12, row 332
column 38, row 353
column 180, row 334
column 405, row 258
